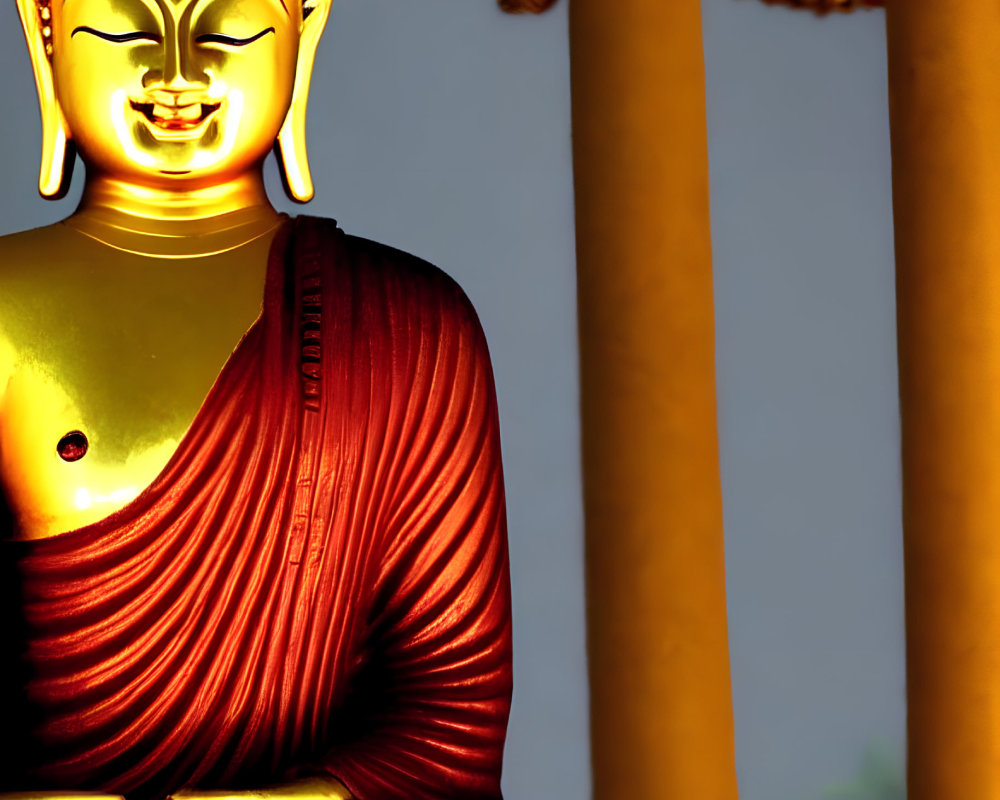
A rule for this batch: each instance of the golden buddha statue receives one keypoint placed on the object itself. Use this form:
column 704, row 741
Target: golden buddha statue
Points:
column 250, row 467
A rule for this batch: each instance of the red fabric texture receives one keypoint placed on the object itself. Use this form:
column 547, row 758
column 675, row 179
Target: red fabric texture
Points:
column 317, row 581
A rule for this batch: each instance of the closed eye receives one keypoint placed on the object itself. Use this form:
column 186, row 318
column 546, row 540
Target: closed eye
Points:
column 232, row 41
column 118, row 38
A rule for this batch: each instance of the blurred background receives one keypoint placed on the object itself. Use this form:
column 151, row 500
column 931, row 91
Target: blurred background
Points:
column 808, row 412
column 442, row 127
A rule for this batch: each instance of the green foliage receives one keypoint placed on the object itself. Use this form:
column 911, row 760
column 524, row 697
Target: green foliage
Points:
column 881, row 777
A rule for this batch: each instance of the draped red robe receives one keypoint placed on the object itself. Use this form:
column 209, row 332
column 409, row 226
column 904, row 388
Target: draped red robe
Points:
column 317, row 580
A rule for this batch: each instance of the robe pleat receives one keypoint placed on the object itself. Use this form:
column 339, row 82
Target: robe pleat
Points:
column 316, row 583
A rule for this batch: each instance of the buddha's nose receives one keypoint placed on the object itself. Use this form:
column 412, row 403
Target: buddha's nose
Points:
column 179, row 81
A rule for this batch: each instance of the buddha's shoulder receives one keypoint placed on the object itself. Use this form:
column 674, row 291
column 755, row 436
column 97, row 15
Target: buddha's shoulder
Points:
column 23, row 281
column 44, row 237
column 374, row 274
column 412, row 283
column 25, row 255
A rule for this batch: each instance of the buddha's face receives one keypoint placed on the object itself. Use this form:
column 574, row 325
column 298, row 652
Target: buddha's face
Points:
column 188, row 92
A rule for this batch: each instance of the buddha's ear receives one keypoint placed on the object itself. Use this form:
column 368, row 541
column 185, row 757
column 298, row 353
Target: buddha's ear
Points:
column 57, row 149
column 291, row 143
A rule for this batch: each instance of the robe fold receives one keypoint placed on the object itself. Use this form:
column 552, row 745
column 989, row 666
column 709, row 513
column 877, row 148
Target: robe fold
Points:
column 316, row 582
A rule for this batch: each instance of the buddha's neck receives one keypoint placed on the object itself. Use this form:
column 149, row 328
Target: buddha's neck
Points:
column 175, row 224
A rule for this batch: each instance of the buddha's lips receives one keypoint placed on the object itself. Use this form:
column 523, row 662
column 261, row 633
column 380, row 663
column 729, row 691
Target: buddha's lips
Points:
column 175, row 118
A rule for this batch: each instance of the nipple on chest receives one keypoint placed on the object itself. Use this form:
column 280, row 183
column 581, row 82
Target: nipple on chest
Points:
column 73, row 446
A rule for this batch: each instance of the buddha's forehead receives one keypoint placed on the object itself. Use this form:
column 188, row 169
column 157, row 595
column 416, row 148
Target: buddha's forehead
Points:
column 179, row 8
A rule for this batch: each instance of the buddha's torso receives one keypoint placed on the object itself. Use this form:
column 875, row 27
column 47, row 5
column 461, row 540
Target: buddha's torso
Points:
column 117, row 346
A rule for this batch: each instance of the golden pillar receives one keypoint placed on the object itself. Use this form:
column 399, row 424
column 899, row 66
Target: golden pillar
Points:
column 659, row 665
column 944, row 71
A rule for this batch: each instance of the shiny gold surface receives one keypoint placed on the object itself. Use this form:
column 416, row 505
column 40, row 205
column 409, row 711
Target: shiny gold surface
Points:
column 173, row 94
column 116, row 322
column 121, row 346
column 58, row 796
column 661, row 715
column 314, row 788
column 306, row 789
column 184, row 91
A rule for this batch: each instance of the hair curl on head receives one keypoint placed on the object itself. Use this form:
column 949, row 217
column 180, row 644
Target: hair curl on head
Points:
column 45, row 26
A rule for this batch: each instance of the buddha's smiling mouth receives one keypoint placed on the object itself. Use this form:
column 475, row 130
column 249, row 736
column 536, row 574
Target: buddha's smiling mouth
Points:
column 175, row 121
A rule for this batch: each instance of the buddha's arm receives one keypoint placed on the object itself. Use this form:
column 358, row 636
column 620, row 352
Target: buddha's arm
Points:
column 430, row 710
column 426, row 718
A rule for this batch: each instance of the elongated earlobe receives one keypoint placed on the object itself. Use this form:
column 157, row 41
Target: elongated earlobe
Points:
column 290, row 147
column 58, row 158
column 58, row 154
column 293, row 160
